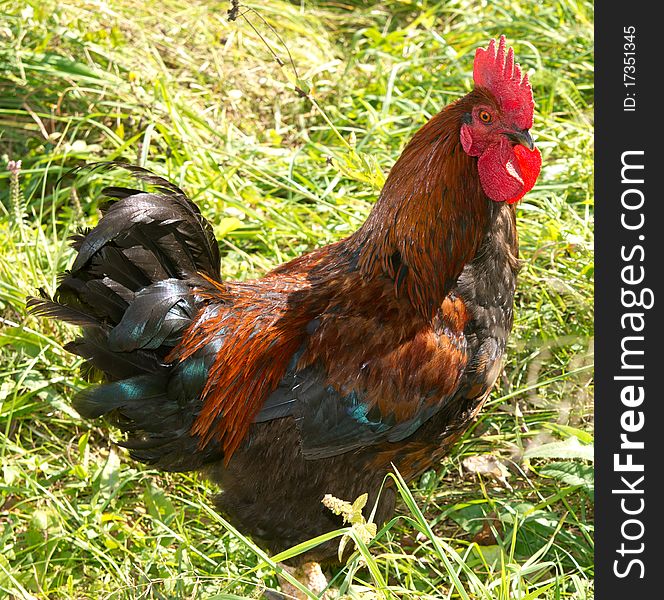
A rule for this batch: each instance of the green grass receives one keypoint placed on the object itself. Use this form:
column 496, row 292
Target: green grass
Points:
column 175, row 87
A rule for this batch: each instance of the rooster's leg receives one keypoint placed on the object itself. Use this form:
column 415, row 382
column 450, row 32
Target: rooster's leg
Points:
column 310, row 575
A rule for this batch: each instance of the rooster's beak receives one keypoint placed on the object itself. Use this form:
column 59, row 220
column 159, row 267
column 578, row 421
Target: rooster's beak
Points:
column 522, row 137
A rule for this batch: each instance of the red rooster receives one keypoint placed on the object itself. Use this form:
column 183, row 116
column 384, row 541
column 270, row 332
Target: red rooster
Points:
column 314, row 379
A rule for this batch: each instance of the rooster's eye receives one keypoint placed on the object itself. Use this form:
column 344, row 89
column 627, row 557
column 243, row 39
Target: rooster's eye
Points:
column 485, row 117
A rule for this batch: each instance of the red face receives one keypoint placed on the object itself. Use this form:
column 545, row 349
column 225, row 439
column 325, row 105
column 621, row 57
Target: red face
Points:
column 508, row 161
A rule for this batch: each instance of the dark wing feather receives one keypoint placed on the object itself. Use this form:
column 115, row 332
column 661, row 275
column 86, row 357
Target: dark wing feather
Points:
column 331, row 423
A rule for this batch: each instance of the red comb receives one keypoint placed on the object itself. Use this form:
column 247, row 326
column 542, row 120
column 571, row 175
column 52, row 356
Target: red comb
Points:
column 496, row 71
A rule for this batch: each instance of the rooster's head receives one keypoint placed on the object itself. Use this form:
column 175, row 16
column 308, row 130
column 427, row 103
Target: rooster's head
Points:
column 497, row 129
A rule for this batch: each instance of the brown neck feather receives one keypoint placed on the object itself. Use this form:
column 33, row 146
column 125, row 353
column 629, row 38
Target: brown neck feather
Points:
column 431, row 214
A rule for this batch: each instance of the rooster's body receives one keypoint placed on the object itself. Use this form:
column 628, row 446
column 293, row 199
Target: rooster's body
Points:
column 376, row 350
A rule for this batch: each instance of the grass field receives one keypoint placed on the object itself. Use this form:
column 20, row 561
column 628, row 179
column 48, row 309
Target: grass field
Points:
column 176, row 87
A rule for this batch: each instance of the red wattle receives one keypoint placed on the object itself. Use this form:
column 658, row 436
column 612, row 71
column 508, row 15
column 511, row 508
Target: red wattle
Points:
column 530, row 163
column 508, row 173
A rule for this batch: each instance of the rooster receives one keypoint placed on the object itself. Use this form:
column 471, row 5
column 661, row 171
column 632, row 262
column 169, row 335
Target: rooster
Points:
column 373, row 351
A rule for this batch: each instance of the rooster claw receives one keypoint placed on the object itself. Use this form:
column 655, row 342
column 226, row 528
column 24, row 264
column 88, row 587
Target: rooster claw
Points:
column 310, row 575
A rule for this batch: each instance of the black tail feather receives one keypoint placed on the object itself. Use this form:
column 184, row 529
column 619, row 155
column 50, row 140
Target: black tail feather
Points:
column 112, row 263
column 131, row 290
column 94, row 347
column 45, row 307
column 157, row 316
